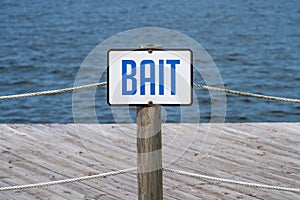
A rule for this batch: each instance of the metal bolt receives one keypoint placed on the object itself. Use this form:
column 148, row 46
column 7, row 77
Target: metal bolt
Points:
column 150, row 103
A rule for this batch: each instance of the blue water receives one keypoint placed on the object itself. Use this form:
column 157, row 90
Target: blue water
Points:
column 255, row 45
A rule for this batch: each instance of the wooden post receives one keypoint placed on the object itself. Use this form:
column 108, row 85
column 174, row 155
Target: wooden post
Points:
column 149, row 153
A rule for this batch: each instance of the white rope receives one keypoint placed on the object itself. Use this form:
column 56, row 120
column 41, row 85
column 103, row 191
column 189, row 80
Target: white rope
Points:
column 260, row 96
column 211, row 178
column 58, row 91
column 45, row 184
column 51, row 92
column 113, row 173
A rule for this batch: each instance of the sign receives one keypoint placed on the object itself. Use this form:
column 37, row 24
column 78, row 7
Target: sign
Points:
column 158, row 76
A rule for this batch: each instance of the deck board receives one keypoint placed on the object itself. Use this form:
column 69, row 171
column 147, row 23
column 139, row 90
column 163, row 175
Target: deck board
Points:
column 267, row 153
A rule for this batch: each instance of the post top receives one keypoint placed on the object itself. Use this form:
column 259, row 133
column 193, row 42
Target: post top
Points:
column 148, row 46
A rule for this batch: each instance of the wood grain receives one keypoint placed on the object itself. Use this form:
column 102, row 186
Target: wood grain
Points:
column 267, row 153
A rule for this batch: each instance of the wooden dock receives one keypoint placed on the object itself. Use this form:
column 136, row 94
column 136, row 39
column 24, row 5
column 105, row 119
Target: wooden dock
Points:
column 267, row 153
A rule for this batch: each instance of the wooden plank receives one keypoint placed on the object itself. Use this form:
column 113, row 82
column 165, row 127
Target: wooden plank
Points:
column 266, row 153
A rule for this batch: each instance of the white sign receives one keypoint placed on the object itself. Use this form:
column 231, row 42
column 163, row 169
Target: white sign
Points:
column 137, row 77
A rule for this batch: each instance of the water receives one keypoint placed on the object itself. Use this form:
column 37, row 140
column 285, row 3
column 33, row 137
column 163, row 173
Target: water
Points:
column 255, row 45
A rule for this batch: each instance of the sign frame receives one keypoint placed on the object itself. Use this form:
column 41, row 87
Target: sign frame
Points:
column 149, row 103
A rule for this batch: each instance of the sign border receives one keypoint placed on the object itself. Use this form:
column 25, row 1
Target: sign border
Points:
column 147, row 49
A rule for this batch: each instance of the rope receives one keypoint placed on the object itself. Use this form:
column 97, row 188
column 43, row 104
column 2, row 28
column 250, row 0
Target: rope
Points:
column 45, row 184
column 52, row 92
column 247, row 94
column 113, row 173
column 58, row 91
column 210, row 178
